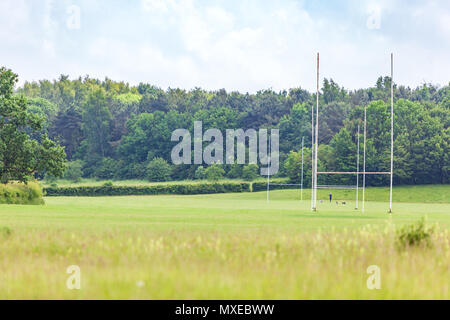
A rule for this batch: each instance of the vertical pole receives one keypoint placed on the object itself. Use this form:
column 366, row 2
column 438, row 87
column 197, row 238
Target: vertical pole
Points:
column 269, row 159
column 364, row 161
column 312, row 157
column 301, row 181
column 316, row 135
column 392, row 131
column 357, row 171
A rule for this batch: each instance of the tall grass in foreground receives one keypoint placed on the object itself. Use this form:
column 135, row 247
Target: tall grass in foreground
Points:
column 120, row 264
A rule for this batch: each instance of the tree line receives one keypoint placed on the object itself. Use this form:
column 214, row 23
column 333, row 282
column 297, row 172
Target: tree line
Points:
column 113, row 130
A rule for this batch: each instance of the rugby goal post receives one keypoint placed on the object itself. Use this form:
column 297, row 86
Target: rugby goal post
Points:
column 314, row 154
column 315, row 133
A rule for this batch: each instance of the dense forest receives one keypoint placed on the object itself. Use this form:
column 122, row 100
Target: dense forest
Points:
column 112, row 130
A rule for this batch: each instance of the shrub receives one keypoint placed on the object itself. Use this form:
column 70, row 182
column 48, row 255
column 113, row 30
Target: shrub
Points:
column 107, row 169
column 214, row 172
column 200, row 173
column 20, row 193
column 74, row 171
column 158, row 170
column 235, row 171
column 415, row 234
column 250, row 172
column 108, row 184
column 130, row 171
column 183, row 172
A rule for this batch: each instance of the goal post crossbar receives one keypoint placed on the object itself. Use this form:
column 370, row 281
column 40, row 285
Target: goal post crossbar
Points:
column 335, row 187
column 358, row 173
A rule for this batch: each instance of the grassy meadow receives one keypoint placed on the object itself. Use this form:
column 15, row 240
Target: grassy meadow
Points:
column 225, row 246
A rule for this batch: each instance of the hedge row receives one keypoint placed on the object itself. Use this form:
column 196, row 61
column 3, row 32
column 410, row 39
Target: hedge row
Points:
column 184, row 189
column 19, row 193
column 262, row 186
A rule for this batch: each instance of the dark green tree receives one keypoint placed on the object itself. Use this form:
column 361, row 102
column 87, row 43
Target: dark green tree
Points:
column 74, row 171
column 97, row 123
column 21, row 156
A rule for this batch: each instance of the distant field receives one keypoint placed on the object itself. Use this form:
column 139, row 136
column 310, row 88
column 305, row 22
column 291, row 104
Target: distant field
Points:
column 420, row 193
column 224, row 246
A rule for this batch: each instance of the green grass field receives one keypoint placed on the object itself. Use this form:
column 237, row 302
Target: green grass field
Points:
column 225, row 246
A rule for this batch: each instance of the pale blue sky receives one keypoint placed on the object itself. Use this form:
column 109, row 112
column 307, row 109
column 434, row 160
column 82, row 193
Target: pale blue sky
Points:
column 244, row 45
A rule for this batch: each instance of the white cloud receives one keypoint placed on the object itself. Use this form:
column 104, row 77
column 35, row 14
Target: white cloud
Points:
column 248, row 46
column 154, row 6
column 14, row 20
column 146, row 62
column 219, row 17
column 277, row 51
column 49, row 48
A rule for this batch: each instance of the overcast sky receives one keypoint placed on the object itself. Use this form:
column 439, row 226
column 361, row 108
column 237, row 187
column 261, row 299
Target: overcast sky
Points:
column 244, row 45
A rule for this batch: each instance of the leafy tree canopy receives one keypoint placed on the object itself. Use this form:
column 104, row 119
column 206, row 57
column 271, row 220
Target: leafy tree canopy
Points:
column 22, row 155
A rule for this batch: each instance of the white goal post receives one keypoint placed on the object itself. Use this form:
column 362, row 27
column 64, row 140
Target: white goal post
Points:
column 315, row 133
column 314, row 155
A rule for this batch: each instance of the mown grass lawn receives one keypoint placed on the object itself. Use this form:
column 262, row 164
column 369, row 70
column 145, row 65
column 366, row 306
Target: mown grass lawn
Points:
column 224, row 246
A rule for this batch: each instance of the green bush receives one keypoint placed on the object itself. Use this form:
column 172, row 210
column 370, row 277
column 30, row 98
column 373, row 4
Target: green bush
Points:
column 183, row 189
column 74, row 171
column 107, row 169
column 214, row 172
column 158, row 170
column 200, row 173
column 416, row 234
column 235, row 171
column 20, row 193
column 108, row 184
column 250, row 172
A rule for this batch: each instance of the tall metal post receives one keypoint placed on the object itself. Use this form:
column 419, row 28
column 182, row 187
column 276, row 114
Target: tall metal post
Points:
column 392, row 132
column 364, row 161
column 316, row 135
column 357, row 171
column 312, row 157
column 269, row 159
column 301, row 180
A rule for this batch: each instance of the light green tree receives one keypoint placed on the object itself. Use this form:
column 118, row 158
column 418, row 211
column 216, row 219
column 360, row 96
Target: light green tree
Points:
column 158, row 170
column 214, row 172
